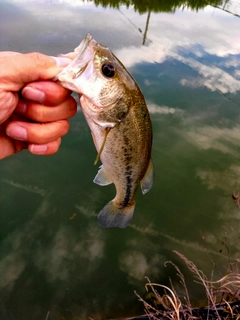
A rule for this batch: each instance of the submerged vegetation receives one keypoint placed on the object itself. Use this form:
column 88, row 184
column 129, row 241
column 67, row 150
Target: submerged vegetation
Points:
column 222, row 295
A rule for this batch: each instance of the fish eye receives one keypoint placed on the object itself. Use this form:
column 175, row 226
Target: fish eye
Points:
column 108, row 70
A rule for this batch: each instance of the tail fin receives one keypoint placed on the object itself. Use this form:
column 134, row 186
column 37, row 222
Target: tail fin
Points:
column 112, row 216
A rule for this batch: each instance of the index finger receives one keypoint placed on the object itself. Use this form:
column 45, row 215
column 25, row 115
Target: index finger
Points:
column 54, row 94
column 8, row 53
column 19, row 69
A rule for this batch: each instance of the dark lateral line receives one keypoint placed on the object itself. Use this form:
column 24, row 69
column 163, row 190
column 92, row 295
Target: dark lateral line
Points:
column 128, row 190
column 128, row 172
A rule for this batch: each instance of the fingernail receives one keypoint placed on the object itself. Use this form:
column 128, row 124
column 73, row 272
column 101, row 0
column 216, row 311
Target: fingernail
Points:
column 33, row 94
column 21, row 107
column 38, row 148
column 62, row 61
column 16, row 132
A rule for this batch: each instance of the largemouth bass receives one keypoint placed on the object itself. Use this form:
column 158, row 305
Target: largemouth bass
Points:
column 116, row 112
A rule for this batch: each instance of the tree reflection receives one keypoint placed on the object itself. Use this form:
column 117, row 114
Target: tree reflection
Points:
column 143, row 6
column 148, row 6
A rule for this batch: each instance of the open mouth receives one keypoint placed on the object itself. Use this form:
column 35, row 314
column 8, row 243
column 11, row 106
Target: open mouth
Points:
column 84, row 44
column 84, row 52
column 81, row 57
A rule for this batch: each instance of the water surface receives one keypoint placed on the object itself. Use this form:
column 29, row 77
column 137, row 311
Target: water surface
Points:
column 56, row 261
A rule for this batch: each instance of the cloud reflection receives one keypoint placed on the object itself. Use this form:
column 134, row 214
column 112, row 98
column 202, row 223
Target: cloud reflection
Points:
column 224, row 180
column 228, row 217
column 19, row 242
column 65, row 249
column 137, row 265
column 195, row 246
column 68, row 249
column 164, row 110
column 11, row 267
column 212, row 77
column 222, row 139
column 29, row 188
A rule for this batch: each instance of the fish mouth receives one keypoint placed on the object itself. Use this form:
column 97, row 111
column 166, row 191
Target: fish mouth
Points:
column 81, row 57
column 84, row 53
column 83, row 45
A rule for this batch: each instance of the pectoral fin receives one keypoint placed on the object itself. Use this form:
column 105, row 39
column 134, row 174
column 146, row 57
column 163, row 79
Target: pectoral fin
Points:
column 147, row 181
column 102, row 178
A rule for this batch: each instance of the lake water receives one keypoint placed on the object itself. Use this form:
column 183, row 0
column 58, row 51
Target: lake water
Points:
column 56, row 262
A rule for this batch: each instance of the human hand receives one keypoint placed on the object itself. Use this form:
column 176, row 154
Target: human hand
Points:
column 33, row 109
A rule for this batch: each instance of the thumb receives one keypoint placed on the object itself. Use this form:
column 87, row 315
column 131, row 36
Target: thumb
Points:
column 19, row 69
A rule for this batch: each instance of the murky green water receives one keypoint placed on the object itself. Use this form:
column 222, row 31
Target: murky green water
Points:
column 56, row 261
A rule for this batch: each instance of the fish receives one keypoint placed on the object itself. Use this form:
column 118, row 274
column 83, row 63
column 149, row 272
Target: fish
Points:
column 117, row 115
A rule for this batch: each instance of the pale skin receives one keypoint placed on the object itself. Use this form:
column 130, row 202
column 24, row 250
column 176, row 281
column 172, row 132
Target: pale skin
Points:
column 33, row 109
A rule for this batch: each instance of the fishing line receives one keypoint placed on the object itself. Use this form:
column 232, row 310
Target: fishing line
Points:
column 103, row 144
